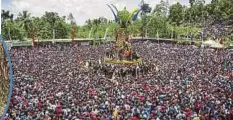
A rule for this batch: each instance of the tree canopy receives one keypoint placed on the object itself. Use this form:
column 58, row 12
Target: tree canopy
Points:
column 166, row 20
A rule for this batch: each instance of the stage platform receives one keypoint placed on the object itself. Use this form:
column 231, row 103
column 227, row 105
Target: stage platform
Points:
column 116, row 61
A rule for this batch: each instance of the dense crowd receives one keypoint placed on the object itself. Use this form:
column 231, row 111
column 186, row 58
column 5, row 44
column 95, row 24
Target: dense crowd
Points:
column 216, row 29
column 174, row 82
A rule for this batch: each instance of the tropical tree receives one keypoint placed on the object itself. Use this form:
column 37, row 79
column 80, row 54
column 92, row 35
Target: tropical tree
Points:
column 11, row 30
column 160, row 9
column 51, row 18
column 5, row 15
column 146, row 9
column 24, row 19
column 34, row 24
column 63, row 30
column 191, row 2
column 71, row 18
column 224, row 9
column 7, row 19
column 163, row 19
column 176, row 14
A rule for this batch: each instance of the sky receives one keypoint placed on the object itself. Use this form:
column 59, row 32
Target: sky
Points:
column 81, row 9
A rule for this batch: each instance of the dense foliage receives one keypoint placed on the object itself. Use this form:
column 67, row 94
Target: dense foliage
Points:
column 161, row 20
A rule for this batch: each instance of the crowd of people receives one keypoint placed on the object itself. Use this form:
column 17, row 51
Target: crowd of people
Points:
column 174, row 82
column 216, row 29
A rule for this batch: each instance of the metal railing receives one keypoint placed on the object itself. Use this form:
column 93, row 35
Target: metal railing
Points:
column 17, row 43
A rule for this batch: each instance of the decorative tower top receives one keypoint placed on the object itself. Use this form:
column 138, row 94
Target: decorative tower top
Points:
column 124, row 17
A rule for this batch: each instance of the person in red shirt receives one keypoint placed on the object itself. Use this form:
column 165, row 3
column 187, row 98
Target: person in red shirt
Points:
column 58, row 110
column 47, row 118
column 39, row 105
column 134, row 118
column 141, row 98
column 103, row 117
column 25, row 104
column 152, row 116
column 147, row 87
column 94, row 116
column 232, row 114
column 197, row 106
column 188, row 113
column 5, row 118
column 231, row 76
column 133, row 93
column 92, row 92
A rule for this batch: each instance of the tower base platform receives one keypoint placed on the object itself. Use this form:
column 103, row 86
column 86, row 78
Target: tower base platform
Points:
column 117, row 61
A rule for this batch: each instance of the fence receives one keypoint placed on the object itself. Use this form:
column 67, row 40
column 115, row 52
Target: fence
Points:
column 16, row 43
column 10, row 44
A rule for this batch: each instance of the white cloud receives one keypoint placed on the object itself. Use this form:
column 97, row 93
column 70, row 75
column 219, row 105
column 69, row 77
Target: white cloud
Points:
column 81, row 9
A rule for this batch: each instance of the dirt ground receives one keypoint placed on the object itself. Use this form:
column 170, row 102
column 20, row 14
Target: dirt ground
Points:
column 4, row 79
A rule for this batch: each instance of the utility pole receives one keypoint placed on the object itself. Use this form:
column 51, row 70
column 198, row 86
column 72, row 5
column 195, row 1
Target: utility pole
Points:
column 73, row 32
column 167, row 8
column 53, row 33
column 89, row 36
column 203, row 24
column 105, row 34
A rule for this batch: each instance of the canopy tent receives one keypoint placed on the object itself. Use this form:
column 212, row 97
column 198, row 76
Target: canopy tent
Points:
column 213, row 44
column 217, row 45
column 209, row 42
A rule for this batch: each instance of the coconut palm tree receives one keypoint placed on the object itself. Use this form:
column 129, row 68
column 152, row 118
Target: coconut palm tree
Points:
column 25, row 18
column 52, row 18
column 7, row 19
column 34, row 26
column 5, row 15
column 191, row 2
column 73, row 23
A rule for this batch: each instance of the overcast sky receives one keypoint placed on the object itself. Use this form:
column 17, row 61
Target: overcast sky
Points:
column 81, row 9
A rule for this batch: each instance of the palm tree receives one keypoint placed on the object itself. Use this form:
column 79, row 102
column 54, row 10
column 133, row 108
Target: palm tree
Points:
column 214, row 1
column 8, row 25
column 6, row 15
column 52, row 18
column 33, row 23
column 25, row 18
column 145, row 10
column 7, row 19
column 71, row 18
column 191, row 2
